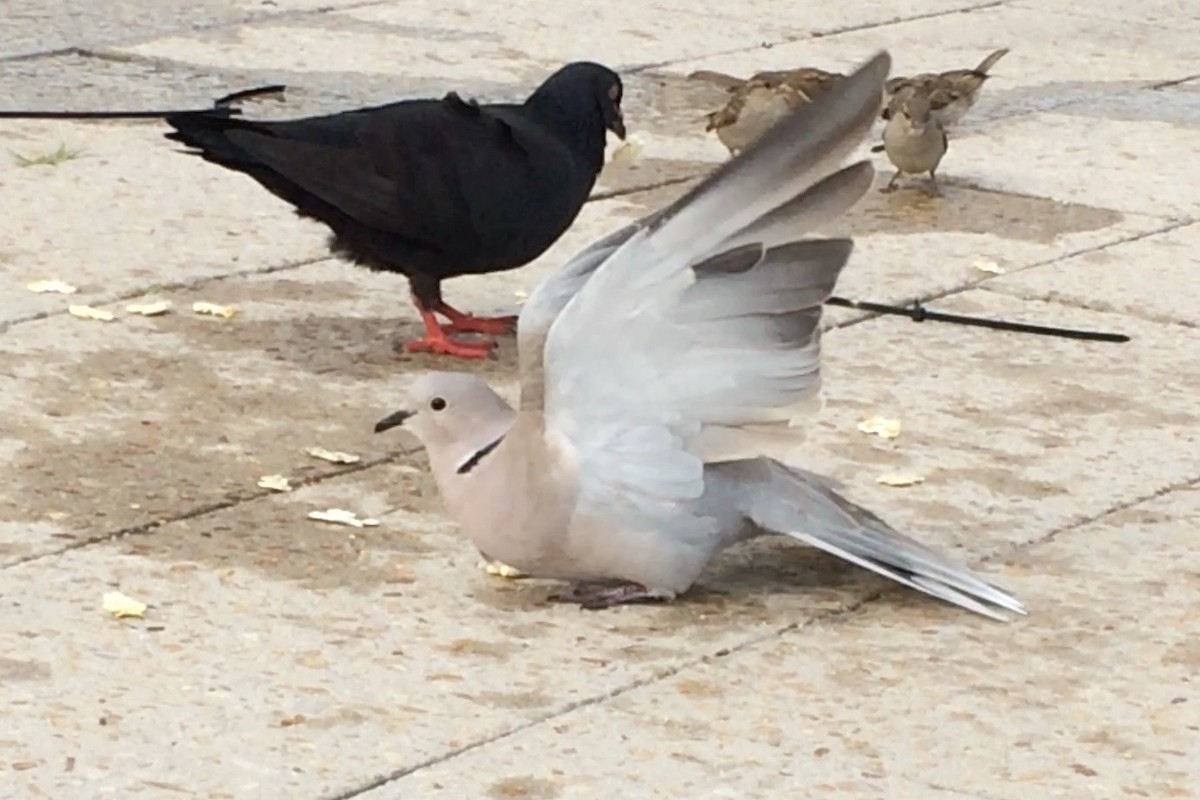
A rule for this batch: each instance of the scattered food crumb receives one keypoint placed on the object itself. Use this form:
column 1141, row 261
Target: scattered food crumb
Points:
column 276, row 483
column 149, row 309
column 294, row 719
column 500, row 569
column 628, row 151
column 87, row 312
column 900, row 479
column 335, row 456
column 52, row 286
column 120, row 605
column 881, row 426
column 340, row 516
column 214, row 310
column 988, row 265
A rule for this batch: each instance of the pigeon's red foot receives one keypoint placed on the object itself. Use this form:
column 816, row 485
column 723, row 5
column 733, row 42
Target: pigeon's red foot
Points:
column 444, row 345
column 594, row 596
column 436, row 341
column 461, row 322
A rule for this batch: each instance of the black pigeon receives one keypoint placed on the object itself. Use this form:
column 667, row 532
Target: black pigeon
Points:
column 433, row 188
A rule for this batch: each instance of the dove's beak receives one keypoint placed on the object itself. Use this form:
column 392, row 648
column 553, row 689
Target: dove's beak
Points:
column 392, row 421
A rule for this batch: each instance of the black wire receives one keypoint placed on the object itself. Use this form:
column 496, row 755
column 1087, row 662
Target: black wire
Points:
column 919, row 313
column 246, row 94
column 219, row 106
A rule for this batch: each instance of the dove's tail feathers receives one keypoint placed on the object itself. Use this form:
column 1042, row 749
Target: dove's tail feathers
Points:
column 991, row 60
column 802, row 505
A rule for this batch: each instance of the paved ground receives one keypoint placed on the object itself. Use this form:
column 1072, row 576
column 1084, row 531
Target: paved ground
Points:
column 285, row 658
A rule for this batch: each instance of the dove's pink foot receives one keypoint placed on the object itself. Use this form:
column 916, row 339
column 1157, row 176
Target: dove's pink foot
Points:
column 461, row 322
column 436, row 341
column 594, row 596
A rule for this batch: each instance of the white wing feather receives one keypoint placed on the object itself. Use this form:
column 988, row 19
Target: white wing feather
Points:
column 705, row 319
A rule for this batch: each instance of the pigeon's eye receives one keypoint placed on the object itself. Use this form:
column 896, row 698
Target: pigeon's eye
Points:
column 437, row 404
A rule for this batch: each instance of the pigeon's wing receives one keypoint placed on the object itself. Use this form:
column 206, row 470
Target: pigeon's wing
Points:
column 440, row 172
column 701, row 329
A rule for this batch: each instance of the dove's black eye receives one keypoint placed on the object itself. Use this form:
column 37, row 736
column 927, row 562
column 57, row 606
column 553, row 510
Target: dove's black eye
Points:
column 437, row 404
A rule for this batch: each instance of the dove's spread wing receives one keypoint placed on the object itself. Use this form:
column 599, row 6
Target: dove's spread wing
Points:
column 701, row 328
column 549, row 298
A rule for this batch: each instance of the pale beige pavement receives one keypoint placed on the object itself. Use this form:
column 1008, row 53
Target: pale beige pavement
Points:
column 286, row 658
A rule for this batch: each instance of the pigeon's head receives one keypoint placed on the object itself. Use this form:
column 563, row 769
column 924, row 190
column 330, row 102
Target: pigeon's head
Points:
column 589, row 87
column 452, row 413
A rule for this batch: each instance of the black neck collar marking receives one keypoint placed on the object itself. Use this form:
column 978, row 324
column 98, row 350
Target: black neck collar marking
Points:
column 473, row 462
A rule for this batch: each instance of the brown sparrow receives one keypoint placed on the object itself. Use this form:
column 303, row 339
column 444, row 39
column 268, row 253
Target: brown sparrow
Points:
column 950, row 94
column 913, row 139
column 757, row 103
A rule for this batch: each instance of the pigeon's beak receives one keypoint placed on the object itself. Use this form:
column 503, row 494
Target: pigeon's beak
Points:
column 617, row 124
column 392, row 421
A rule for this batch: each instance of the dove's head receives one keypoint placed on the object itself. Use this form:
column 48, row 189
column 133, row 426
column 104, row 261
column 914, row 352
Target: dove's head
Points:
column 453, row 414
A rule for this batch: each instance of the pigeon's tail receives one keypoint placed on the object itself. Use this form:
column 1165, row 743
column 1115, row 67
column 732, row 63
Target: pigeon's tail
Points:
column 804, row 506
column 207, row 133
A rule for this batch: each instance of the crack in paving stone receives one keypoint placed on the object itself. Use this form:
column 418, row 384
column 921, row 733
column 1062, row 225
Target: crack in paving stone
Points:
column 286, row 266
column 655, row 677
column 204, row 509
column 173, row 286
column 1169, row 83
column 628, row 190
column 865, row 316
column 94, row 50
column 867, row 601
column 864, row 26
column 1068, row 302
column 1124, row 505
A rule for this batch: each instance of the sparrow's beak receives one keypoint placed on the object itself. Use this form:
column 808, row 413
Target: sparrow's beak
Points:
column 392, row 421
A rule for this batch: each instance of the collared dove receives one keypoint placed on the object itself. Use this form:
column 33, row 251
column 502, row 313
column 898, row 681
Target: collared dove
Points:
column 665, row 371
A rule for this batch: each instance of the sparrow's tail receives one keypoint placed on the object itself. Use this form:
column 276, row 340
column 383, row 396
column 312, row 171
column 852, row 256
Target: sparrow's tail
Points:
column 804, row 506
column 991, row 60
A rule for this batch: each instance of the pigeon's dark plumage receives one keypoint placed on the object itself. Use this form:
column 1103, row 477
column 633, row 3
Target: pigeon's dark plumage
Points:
column 433, row 188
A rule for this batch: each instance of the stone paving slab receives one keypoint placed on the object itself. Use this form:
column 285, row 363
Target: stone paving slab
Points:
column 1057, row 58
column 1076, row 157
column 282, row 657
column 129, row 213
column 875, row 704
column 1167, row 13
column 38, row 26
column 1129, row 278
column 183, row 410
column 388, row 611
